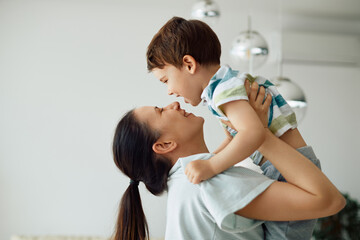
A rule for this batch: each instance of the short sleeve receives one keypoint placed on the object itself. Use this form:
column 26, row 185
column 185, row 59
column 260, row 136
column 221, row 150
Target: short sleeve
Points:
column 230, row 90
column 231, row 191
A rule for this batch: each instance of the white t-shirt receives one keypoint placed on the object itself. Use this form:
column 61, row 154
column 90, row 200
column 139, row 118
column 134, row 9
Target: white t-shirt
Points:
column 206, row 210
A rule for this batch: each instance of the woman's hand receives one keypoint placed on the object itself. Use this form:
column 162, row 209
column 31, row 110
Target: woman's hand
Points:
column 258, row 101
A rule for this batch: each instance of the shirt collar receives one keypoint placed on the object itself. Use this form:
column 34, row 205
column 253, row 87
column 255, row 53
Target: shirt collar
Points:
column 182, row 162
column 221, row 72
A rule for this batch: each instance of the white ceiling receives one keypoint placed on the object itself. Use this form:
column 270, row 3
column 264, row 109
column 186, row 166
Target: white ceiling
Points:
column 337, row 16
column 339, row 9
column 340, row 16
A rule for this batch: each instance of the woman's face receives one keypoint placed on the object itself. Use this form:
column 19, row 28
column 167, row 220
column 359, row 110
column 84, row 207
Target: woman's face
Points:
column 171, row 121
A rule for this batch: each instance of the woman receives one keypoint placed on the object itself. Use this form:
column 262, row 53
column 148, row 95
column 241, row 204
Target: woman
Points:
column 153, row 145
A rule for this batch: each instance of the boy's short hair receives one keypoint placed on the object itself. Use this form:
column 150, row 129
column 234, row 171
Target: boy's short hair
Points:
column 180, row 37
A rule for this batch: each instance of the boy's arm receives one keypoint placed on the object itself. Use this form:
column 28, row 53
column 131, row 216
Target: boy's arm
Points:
column 250, row 136
column 248, row 139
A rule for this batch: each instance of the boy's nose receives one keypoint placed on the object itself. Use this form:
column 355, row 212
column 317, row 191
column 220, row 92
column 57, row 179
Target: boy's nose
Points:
column 170, row 92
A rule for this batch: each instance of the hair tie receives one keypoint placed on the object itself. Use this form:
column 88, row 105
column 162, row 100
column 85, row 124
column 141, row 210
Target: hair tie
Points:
column 134, row 182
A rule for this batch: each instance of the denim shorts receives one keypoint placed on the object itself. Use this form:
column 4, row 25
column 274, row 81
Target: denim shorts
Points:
column 271, row 172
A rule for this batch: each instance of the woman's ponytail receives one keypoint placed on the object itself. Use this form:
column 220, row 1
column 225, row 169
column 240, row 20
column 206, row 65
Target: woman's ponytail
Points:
column 131, row 222
column 133, row 155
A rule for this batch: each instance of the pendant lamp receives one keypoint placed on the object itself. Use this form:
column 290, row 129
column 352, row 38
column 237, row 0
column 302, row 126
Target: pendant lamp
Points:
column 292, row 92
column 249, row 50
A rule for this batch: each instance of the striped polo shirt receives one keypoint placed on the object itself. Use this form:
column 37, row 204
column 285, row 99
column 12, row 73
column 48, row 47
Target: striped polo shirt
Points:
column 228, row 85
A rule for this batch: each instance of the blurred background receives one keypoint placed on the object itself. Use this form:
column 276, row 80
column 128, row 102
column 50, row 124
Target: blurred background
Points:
column 69, row 69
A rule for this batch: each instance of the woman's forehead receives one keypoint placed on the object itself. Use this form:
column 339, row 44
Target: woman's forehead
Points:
column 145, row 113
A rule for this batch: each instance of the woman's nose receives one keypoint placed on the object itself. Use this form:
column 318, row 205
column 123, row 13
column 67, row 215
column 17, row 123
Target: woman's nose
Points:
column 174, row 105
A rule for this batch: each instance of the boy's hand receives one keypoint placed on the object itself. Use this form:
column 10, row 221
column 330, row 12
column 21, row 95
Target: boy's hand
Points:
column 258, row 101
column 199, row 170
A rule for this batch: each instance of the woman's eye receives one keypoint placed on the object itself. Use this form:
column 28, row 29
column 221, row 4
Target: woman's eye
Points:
column 165, row 81
column 161, row 109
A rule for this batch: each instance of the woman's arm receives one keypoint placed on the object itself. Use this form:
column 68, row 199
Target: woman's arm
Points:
column 308, row 193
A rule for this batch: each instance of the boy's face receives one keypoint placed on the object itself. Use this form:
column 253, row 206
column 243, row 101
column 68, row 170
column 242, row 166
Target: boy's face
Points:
column 180, row 82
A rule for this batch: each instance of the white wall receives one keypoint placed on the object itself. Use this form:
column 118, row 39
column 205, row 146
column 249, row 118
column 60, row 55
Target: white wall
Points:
column 70, row 69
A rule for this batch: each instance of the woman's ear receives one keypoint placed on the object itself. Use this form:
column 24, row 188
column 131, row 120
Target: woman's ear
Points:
column 163, row 147
column 189, row 63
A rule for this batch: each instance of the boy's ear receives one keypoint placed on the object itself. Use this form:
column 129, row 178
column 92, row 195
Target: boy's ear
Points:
column 163, row 147
column 189, row 63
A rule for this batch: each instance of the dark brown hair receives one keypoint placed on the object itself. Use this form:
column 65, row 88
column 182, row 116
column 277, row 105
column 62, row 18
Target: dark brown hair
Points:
column 180, row 37
column 133, row 155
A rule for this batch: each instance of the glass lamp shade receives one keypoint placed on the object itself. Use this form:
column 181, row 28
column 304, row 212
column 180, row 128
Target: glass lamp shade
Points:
column 205, row 10
column 293, row 94
column 249, row 50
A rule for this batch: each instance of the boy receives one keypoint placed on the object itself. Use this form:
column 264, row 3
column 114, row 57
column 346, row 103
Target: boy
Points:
column 185, row 55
